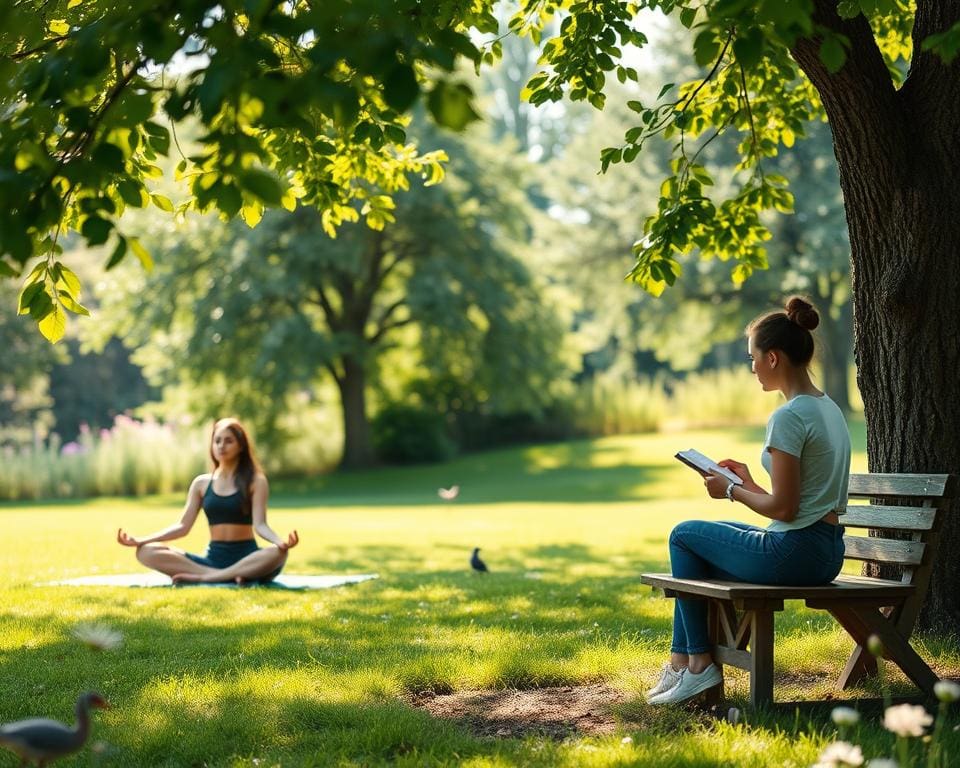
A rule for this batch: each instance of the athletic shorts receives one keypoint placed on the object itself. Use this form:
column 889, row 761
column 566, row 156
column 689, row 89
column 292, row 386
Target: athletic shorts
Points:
column 223, row 554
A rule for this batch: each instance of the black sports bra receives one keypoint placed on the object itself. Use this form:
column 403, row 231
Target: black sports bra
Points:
column 224, row 509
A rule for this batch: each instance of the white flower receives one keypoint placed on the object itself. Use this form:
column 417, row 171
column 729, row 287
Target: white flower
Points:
column 906, row 719
column 883, row 762
column 627, row 740
column 947, row 690
column 845, row 716
column 100, row 637
column 841, row 753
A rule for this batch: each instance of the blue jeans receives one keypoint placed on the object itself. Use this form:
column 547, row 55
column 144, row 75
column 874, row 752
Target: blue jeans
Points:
column 740, row 552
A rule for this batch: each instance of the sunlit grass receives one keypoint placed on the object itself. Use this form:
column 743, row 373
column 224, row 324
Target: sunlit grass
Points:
column 266, row 677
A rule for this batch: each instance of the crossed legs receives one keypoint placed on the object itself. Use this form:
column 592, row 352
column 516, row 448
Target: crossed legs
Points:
column 175, row 564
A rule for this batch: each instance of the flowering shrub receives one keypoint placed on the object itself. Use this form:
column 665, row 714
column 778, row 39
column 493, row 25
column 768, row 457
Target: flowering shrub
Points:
column 131, row 458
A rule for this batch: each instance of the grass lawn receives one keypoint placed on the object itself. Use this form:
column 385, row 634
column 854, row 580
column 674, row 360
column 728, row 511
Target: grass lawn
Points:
column 260, row 677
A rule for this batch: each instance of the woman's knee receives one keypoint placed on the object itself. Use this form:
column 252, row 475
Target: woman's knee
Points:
column 147, row 552
column 680, row 531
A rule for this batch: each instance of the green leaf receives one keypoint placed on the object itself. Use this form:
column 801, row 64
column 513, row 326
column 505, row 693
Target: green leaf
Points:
column 130, row 192
column 40, row 305
column 141, row 253
column 687, row 15
column 72, row 304
column 162, row 202
column 262, row 185
column 27, row 295
column 228, row 199
column 833, row 54
column 251, row 213
column 748, row 49
column 53, row 324
column 450, row 104
column 6, row 270
column 96, row 230
column 118, row 253
column 400, row 88
column 69, row 279
column 706, row 47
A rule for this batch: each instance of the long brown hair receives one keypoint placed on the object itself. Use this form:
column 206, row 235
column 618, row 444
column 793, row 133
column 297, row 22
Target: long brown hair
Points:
column 247, row 465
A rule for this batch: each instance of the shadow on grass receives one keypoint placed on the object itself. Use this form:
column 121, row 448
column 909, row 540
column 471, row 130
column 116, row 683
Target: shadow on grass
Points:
column 226, row 677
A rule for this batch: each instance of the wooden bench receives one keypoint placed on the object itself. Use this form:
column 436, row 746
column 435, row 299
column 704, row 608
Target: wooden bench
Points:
column 903, row 514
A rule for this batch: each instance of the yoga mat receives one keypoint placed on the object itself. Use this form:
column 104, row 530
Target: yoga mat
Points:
column 153, row 579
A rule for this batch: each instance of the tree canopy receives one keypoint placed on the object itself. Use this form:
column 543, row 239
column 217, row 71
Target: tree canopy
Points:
column 305, row 103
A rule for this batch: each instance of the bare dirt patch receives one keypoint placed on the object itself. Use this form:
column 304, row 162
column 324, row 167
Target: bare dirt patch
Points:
column 555, row 712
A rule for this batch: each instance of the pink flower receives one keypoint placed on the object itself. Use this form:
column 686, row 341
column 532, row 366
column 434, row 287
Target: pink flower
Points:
column 71, row 448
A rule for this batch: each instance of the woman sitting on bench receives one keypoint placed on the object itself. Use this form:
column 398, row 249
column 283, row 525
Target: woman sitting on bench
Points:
column 807, row 455
column 234, row 499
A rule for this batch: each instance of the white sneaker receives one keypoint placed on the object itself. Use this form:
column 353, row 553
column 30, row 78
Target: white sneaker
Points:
column 689, row 686
column 668, row 678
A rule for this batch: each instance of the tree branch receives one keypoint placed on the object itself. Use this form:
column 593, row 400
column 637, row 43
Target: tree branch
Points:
column 42, row 47
column 333, row 320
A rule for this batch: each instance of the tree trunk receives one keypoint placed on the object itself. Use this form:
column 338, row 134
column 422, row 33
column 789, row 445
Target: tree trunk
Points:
column 357, row 449
column 897, row 151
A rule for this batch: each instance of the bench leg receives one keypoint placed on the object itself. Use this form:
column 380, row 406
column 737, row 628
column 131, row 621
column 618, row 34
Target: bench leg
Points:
column 761, row 658
column 898, row 649
column 861, row 663
column 718, row 614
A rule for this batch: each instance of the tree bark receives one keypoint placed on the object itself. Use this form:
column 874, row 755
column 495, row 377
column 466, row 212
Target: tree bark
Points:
column 357, row 448
column 897, row 153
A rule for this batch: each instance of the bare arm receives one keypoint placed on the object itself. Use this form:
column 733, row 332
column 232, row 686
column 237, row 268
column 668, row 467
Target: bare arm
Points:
column 781, row 503
column 261, row 492
column 179, row 529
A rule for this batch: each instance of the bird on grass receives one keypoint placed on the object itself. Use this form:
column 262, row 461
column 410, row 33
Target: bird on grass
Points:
column 476, row 563
column 41, row 740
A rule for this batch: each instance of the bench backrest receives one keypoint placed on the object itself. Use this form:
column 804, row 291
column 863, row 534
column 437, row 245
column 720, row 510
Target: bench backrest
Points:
column 899, row 523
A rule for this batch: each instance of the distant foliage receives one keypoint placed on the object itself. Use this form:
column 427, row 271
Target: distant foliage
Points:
column 604, row 406
column 131, row 458
column 407, row 434
column 726, row 397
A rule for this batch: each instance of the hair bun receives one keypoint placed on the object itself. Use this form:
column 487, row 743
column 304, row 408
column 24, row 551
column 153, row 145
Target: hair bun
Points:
column 801, row 312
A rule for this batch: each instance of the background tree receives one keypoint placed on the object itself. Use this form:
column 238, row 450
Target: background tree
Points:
column 261, row 312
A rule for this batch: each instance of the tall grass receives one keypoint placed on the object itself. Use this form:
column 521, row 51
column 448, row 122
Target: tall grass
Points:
column 611, row 406
column 132, row 458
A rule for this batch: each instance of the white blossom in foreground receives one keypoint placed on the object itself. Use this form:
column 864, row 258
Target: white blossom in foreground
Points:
column 845, row 716
column 883, row 762
column 947, row 690
column 840, row 754
column 906, row 719
column 97, row 636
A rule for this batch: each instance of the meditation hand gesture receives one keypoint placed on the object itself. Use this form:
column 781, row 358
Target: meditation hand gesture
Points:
column 292, row 540
column 126, row 539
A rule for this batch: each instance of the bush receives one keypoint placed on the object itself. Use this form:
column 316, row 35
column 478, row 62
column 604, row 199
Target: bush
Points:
column 406, row 434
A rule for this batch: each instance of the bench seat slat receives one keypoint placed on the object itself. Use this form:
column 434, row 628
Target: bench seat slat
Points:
column 889, row 518
column 877, row 485
column 884, row 550
column 843, row 586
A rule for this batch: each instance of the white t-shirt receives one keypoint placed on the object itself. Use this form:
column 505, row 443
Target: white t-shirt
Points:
column 812, row 429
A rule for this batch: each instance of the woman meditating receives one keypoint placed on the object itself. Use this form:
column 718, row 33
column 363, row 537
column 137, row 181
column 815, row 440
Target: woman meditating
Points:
column 234, row 499
column 807, row 455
